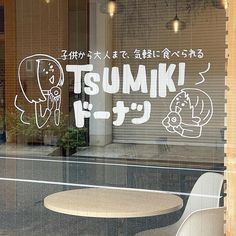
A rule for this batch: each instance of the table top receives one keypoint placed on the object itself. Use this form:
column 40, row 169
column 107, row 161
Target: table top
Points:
column 112, row 203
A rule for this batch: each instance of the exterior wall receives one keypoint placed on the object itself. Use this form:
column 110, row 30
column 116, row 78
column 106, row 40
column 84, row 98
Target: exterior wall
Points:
column 27, row 33
column 10, row 89
column 130, row 33
column 230, row 148
column 42, row 28
column 10, row 56
column 100, row 39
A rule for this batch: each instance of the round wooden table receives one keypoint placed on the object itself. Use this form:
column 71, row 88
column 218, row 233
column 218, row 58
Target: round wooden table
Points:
column 112, row 203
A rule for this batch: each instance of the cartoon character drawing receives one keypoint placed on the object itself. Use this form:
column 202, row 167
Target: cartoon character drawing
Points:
column 190, row 110
column 40, row 79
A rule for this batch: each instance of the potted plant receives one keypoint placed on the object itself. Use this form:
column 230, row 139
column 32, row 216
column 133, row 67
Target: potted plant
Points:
column 73, row 138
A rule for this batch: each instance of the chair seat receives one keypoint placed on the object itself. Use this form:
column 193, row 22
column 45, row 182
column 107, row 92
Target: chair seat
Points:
column 170, row 230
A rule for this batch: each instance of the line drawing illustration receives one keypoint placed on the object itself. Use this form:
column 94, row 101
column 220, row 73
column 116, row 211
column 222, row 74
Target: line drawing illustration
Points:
column 45, row 75
column 190, row 110
column 203, row 72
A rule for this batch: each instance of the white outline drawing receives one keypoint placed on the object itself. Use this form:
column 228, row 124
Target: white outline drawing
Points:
column 48, row 100
column 203, row 72
column 190, row 110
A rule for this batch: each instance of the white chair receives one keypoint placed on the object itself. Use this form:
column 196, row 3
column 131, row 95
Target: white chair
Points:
column 207, row 222
column 205, row 194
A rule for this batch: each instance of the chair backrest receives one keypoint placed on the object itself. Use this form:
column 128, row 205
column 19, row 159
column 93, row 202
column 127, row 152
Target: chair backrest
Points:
column 207, row 222
column 205, row 194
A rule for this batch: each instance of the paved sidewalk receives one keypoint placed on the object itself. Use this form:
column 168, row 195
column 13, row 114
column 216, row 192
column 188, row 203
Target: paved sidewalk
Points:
column 21, row 150
column 176, row 153
column 144, row 152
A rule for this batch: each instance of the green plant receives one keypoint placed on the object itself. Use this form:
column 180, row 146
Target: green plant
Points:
column 17, row 128
column 30, row 132
column 52, row 130
column 73, row 138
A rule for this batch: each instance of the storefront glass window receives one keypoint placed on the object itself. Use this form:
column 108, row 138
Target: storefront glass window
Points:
column 122, row 102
